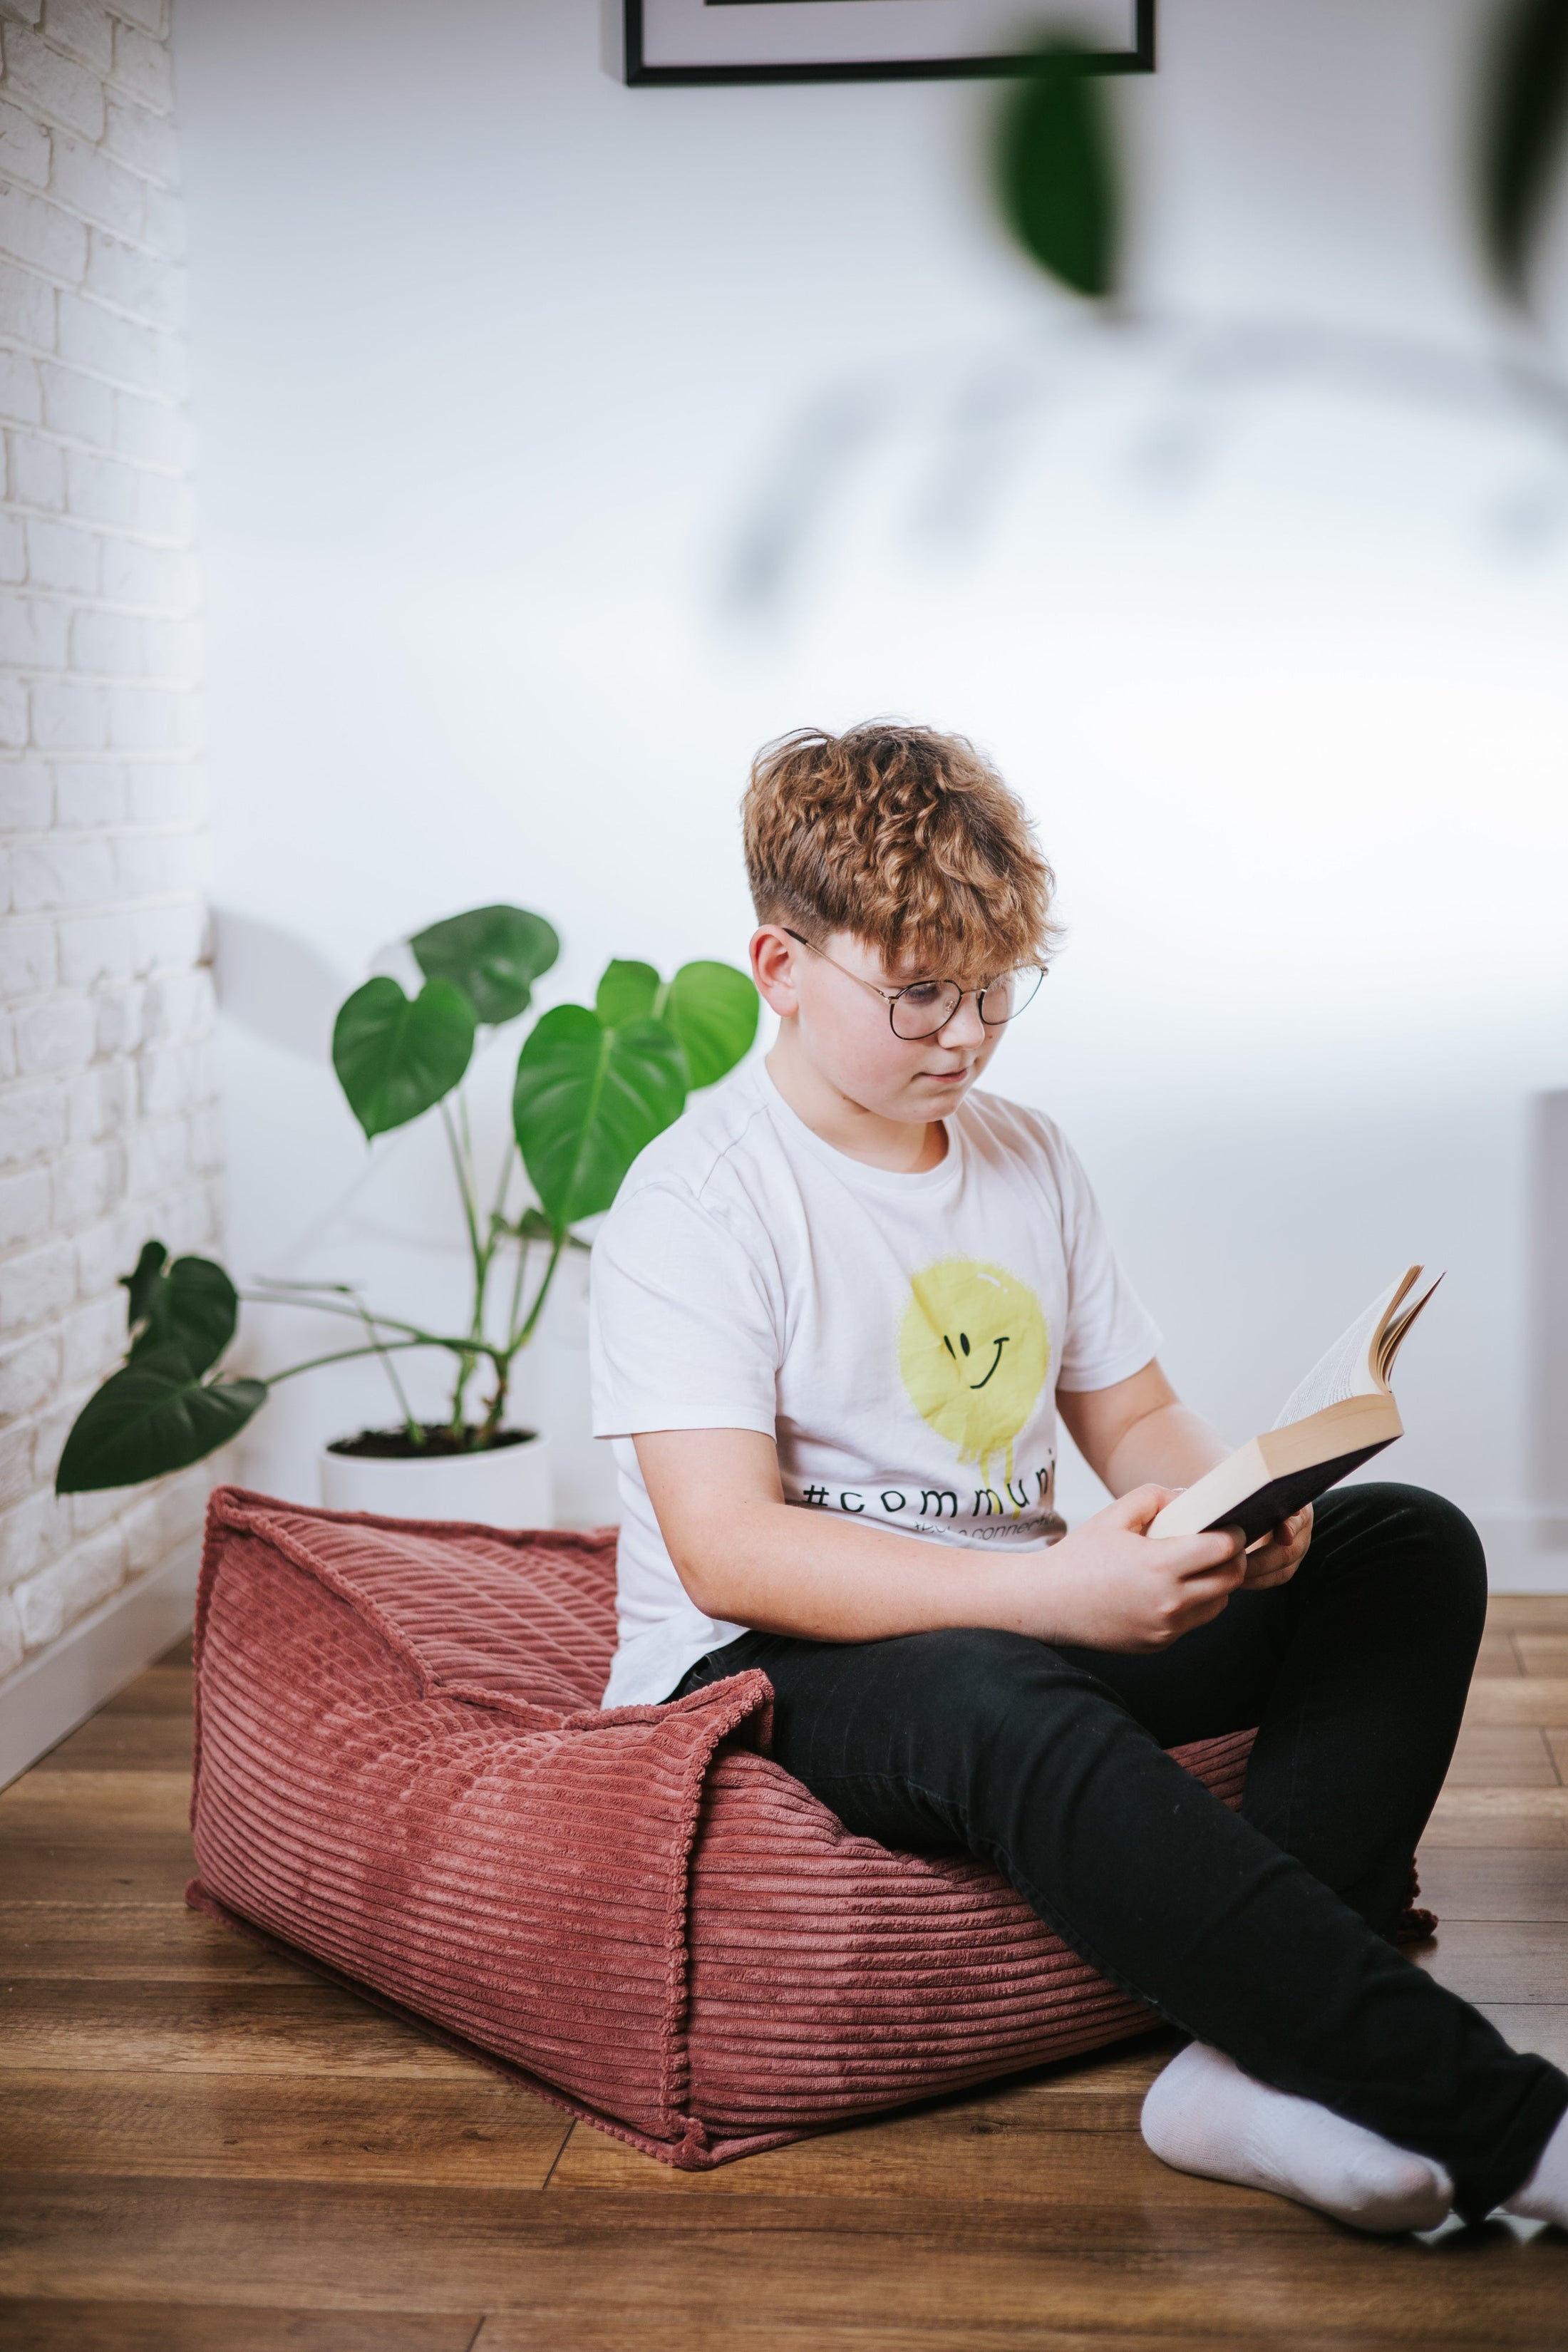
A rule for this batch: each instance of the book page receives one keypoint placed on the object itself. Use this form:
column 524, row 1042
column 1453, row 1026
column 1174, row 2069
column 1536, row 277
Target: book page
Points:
column 1345, row 1371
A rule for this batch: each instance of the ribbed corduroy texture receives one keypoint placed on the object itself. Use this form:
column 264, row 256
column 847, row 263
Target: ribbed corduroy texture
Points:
column 402, row 1772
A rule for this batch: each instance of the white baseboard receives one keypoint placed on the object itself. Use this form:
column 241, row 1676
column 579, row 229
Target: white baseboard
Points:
column 60, row 1689
column 1526, row 1552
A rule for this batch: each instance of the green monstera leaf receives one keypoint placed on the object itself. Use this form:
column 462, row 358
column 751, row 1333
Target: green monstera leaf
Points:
column 153, row 1416
column 192, row 1302
column 587, row 1098
column 395, row 1054
column 1055, row 172
column 712, row 1009
column 629, row 992
column 494, row 955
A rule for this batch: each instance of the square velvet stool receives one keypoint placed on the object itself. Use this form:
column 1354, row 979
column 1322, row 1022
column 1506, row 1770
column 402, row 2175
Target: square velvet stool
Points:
column 403, row 1775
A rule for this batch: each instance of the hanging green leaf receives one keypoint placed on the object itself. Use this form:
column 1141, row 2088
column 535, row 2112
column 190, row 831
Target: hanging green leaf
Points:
column 143, row 1283
column 1523, row 128
column 626, row 992
column 395, row 1056
column 494, row 955
column 195, row 1304
column 712, row 1009
column 587, row 1098
column 1056, row 171
column 152, row 1417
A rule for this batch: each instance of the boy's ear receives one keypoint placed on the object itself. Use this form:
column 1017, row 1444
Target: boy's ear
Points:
column 773, row 963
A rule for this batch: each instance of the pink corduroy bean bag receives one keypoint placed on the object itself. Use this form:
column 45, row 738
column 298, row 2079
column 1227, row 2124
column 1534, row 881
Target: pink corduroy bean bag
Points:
column 404, row 1774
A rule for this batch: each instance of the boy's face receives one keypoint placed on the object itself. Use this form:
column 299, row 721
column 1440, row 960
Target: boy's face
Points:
column 844, row 1029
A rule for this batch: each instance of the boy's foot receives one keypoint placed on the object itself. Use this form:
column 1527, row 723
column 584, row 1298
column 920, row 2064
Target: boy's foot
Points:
column 1544, row 2196
column 1203, row 2115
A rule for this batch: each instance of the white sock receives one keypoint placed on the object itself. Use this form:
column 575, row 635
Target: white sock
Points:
column 1203, row 2115
column 1544, row 2196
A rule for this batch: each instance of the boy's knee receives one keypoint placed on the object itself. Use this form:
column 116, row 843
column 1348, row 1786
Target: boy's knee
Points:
column 1432, row 1536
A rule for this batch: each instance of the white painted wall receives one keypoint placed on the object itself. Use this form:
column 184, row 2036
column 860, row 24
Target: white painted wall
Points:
column 506, row 377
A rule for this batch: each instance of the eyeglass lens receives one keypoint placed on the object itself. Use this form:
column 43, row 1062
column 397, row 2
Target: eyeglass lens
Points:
column 920, row 1011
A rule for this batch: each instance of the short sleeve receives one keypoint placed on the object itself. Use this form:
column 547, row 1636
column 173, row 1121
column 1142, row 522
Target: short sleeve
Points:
column 682, row 1331
column 1111, row 1333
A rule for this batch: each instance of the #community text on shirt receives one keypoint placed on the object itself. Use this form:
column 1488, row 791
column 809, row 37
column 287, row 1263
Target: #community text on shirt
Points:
column 901, row 1338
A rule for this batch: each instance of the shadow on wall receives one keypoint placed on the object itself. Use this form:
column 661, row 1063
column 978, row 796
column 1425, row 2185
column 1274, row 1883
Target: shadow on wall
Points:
column 1548, row 1279
column 276, row 985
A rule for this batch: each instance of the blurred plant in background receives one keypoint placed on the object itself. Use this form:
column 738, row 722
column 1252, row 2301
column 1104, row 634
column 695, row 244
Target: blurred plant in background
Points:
column 594, row 1084
column 1524, row 130
column 1061, row 188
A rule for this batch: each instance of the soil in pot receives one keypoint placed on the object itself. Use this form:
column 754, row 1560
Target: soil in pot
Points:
column 396, row 1445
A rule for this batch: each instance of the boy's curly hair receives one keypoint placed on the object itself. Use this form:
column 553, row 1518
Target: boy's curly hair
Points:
column 907, row 838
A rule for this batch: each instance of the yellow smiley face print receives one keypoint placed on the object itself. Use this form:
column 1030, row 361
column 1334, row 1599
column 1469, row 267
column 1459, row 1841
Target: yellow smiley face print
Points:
column 973, row 1352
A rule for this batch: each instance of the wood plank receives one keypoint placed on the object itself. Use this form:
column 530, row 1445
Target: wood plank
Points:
column 1485, row 1883
column 1498, row 1654
column 1486, row 1802
column 121, row 1743
column 253, row 2128
column 1532, row 1700
column 1538, row 1831
column 300, row 2028
column 1500, row 1960
column 108, row 1871
column 944, row 2268
column 161, row 1690
column 46, row 2325
column 1493, row 1827
column 1558, row 1743
column 1000, row 2149
column 1500, row 1759
column 1543, row 1654
column 1527, row 1613
column 142, row 1941
column 510, row 2331
column 46, row 1804
column 1540, row 2026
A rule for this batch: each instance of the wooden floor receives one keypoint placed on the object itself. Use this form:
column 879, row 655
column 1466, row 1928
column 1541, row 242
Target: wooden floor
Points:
column 202, row 2149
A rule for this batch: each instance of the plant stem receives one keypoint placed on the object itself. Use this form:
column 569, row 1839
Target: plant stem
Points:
column 319, row 1306
column 470, row 1208
column 344, row 1354
column 521, row 1339
column 461, row 1150
column 415, row 1432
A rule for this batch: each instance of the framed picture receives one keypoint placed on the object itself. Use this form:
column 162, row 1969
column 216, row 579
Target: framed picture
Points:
column 680, row 42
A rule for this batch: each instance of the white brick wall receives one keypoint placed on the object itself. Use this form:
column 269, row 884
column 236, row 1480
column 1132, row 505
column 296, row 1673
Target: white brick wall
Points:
column 106, row 1084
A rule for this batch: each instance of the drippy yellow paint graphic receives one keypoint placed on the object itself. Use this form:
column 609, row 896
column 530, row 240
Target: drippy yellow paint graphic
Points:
column 973, row 1351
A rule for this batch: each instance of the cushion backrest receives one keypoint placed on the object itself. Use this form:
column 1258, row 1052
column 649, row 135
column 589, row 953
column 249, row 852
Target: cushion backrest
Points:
column 527, row 1615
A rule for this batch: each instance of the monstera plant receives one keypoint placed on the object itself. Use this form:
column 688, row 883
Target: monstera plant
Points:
column 594, row 1084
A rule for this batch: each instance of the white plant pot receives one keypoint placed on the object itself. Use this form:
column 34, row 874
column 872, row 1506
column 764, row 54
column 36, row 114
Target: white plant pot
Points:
column 509, row 1486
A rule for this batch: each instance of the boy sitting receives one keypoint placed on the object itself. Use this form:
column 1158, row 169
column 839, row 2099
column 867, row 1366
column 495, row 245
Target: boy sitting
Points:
column 836, row 1309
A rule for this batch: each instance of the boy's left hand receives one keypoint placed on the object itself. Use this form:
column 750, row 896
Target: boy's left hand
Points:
column 1281, row 1553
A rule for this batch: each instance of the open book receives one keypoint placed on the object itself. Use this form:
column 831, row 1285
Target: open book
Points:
column 1341, row 1414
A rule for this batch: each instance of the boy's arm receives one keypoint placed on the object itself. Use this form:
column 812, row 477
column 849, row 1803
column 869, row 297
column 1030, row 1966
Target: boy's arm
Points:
column 746, row 1556
column 1138, row 1430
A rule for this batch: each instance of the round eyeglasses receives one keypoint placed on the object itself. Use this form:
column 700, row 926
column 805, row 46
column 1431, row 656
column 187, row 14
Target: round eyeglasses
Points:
column 924, row 1006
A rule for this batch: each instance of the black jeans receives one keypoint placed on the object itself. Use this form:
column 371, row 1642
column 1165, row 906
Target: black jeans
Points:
column 1267, row 1934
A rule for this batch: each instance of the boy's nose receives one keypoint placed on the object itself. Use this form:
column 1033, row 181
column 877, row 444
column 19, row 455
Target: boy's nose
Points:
column 965, row 1028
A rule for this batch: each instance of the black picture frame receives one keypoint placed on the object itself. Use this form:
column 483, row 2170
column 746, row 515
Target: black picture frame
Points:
column 638, row 73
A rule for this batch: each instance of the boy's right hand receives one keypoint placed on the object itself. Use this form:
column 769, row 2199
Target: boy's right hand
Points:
column 1109, row 1585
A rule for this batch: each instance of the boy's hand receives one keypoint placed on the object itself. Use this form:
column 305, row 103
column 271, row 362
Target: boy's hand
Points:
column 1112, row 1586
column 1276, row 1559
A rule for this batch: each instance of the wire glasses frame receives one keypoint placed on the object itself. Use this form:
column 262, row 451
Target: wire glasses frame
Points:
column 923, row 1006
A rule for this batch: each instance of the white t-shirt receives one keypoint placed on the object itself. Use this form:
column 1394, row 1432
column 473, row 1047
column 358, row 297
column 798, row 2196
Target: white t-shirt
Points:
column 900, row 1336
